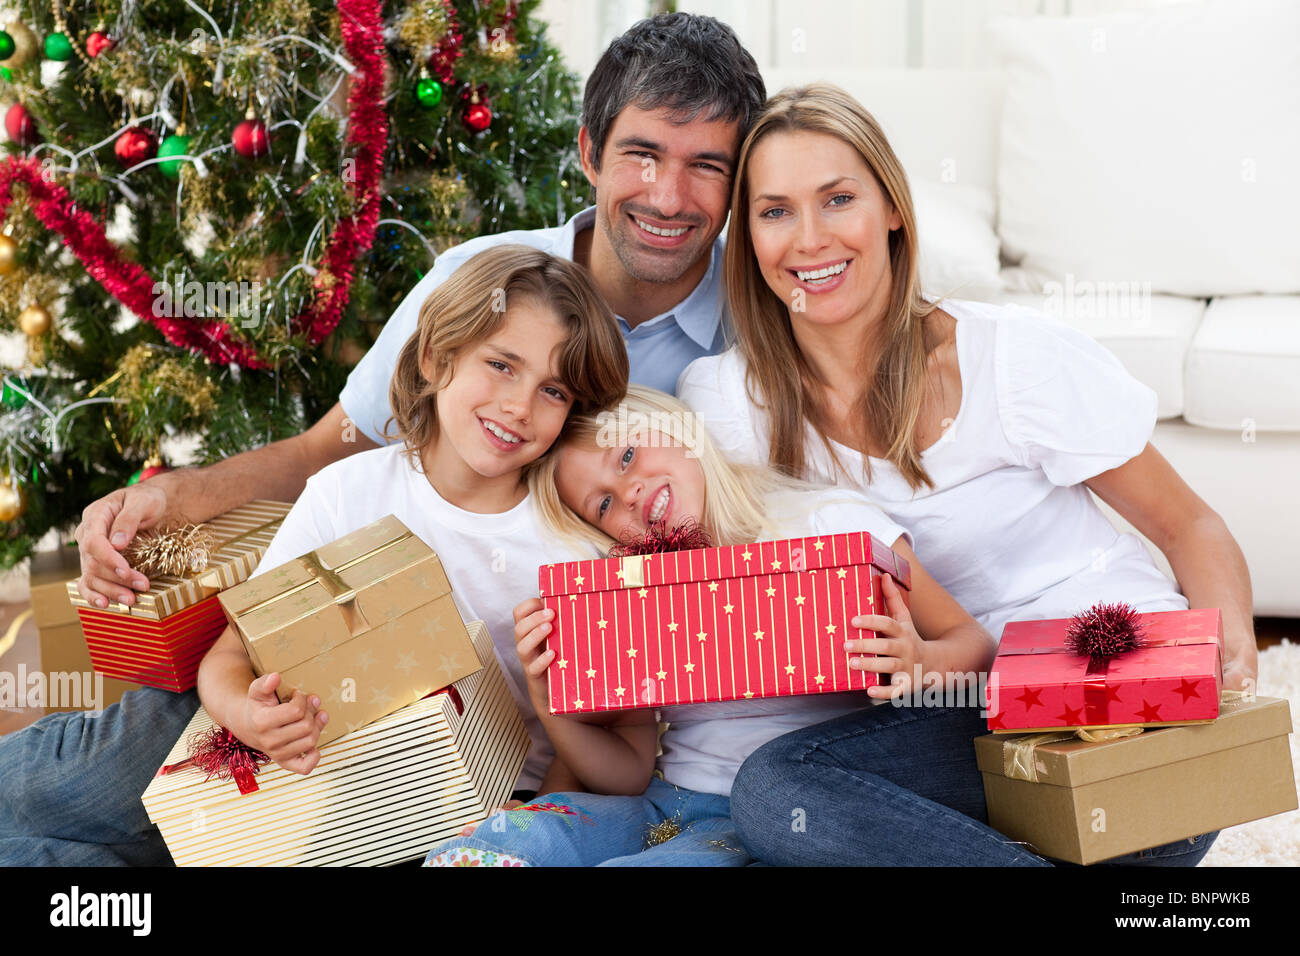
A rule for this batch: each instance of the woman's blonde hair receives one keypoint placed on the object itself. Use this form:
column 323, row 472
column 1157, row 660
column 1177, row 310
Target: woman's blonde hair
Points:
column 736, row 497
column 780, row 379
column 471, row 306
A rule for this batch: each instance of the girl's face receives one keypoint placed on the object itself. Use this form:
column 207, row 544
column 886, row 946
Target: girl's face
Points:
column 505, row 403
column 820, row 225
column 624, row 489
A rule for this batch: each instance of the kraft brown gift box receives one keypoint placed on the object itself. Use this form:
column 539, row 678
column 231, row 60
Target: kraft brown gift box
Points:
column 1086, row 802
column 367, row 623
column 63, row 643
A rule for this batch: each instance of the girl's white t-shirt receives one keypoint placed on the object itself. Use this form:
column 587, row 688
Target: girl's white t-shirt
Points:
column 491, row 560
column 705, row 744
column 1009, row 529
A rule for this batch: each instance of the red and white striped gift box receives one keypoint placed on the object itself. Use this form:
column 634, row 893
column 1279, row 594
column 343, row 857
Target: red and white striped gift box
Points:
column 713, row 624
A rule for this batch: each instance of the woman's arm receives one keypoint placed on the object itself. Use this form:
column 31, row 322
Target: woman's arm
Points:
column 1206, row 559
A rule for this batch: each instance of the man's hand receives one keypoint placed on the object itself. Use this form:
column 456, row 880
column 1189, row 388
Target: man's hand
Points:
column 107, row 527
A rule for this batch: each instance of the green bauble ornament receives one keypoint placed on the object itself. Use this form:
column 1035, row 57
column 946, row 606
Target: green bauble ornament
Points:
column 58, row 47
column 428, row 92
column 11, row 398
column 175, row 145
column 7, row 45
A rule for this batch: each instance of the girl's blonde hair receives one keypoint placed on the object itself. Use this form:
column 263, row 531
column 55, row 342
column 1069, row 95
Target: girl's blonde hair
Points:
column 779, row 378
column 736, row 497
column 471, row 306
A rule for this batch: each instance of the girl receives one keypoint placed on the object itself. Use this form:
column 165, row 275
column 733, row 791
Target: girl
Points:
column 504, row 349
column 981, row 428
column 591, row 491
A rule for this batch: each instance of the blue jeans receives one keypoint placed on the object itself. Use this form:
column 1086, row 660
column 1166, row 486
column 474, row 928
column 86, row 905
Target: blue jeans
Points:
column 70, row 784
column 584, row 829
column 887, row 786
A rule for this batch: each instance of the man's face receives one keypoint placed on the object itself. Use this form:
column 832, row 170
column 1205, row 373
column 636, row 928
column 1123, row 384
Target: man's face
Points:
column 662, row 189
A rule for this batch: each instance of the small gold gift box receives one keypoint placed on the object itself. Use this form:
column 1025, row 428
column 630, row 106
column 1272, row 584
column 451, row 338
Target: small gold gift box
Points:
column 367, row 623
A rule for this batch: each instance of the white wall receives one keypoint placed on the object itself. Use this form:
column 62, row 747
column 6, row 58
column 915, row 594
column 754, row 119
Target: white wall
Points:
column 834, row 34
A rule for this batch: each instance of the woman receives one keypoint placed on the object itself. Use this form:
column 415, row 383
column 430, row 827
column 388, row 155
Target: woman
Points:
column 980, row 429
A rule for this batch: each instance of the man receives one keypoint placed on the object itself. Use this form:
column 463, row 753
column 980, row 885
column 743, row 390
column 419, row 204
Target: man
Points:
column 663, row 116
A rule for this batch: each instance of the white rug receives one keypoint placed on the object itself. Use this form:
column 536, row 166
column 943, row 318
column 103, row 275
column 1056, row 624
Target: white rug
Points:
column 1273, row 841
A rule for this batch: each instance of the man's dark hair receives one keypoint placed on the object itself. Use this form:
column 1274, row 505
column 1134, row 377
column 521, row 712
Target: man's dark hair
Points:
column 691, row 64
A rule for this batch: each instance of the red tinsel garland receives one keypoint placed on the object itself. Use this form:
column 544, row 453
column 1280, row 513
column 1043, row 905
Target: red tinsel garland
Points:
column 361, row 22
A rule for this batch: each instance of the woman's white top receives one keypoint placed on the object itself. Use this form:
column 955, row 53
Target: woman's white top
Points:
column 1009, row 529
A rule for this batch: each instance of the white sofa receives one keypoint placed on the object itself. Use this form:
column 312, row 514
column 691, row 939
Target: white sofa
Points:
column 1226, row 368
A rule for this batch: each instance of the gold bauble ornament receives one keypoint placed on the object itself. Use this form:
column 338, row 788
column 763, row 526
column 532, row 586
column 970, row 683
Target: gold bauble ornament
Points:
column 35, row 321
column 25, row 44
column 8, row 255
column 12, row 500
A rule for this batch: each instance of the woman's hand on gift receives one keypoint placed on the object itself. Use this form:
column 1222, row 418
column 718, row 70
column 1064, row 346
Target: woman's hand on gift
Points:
column 898, row 647
column 532, row 627
column 286, row 732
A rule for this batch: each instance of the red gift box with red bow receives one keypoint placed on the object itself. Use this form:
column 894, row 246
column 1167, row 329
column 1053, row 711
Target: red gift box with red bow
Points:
column 1173, row 677
column 713, row 624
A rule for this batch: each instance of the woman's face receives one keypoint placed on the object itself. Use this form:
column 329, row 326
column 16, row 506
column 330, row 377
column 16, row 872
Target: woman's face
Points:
column 623, row 489
column 820, row 225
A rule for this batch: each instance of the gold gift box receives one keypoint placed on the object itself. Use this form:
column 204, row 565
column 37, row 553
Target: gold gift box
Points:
column 366, row 622
column 242, row 534
column 385, row 794
column 1089, row 801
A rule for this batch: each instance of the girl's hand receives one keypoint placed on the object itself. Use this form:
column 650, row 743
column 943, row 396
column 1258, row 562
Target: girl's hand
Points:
column 287, row 733
column 898, row 650
column 532, row 626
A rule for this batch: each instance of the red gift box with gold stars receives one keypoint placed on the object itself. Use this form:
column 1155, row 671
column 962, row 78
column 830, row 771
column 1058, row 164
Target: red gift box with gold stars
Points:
column 1037, row 683
column 713, row 624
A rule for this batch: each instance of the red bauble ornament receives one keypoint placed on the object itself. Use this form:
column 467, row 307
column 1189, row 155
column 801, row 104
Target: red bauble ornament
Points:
column 477, row 117
column 135, row 146
column 97, row 43
column 21, row 127
column 250, row 137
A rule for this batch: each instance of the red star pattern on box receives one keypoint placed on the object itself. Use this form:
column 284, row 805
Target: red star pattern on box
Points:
column 713, row 624
column 1174, row 679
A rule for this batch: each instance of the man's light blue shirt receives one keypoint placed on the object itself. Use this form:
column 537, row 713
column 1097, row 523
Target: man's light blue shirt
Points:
column 658, row 349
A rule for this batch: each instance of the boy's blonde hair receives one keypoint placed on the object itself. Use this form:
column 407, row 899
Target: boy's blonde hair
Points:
column 735, row 496
column 471, row 306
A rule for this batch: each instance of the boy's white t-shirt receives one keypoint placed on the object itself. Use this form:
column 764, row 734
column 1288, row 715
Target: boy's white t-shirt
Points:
column 491, row 560
column 1009, row 530
column 705, row 744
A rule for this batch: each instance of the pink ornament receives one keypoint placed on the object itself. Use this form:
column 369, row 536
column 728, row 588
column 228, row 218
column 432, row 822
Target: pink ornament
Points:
column 135, row 146
column 97, row 43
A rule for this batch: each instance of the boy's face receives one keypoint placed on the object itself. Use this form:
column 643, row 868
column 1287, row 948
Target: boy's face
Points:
column 662, row 189
column 505, row 403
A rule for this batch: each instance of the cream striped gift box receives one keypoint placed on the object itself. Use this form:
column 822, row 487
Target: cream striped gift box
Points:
column 382, row 794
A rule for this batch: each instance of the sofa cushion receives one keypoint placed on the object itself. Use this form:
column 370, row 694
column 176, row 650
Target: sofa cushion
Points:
column 1243, row 365
column 1159, row 146
column 958, row 247
column 1150, row 334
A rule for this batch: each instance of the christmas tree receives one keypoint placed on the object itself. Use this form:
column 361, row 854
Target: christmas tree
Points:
column 208, row 208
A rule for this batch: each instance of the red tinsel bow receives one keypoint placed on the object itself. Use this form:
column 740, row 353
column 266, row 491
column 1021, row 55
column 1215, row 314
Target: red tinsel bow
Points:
column 659, row 538
column 1105, row 631
column 221, row 754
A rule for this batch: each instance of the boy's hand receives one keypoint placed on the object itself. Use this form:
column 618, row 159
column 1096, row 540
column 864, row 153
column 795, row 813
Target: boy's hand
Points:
column 898, row 650
column 285, row 732
column 532, row 626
